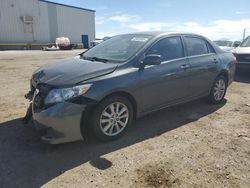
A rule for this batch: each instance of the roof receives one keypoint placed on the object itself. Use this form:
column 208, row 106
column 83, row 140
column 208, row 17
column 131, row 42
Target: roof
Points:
column 156, row 33
column 67, row 5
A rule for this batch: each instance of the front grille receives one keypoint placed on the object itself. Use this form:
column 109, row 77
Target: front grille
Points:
column 43, row 90
column 32, row 88
column 243, row 57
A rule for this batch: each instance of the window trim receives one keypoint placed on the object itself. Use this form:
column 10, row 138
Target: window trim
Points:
column 201, row 55
column 165, row 37
column 208, row 44
column 198, row 37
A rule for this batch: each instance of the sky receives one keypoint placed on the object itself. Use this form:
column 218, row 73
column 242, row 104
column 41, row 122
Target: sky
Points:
column 215, row 19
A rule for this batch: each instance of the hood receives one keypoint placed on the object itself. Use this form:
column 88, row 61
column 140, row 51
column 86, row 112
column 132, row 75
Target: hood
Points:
column 242, row 50
column 226, row 48
column 71, row 71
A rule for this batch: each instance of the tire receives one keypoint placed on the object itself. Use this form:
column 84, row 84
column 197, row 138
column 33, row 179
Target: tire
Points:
column 218, row 90
column 111, row 118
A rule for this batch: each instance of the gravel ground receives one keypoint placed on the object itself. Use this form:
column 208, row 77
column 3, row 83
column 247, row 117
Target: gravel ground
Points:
column 190, row 145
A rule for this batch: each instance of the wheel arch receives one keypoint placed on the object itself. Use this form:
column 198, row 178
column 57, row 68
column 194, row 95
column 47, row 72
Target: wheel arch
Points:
column 222, row 73
column 128, row 96
column 84, row 125
column 225, row 74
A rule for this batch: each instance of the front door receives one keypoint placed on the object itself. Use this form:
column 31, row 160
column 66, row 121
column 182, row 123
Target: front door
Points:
column 165, row 83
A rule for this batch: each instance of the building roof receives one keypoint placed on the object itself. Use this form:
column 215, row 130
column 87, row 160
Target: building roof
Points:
column 67, row 5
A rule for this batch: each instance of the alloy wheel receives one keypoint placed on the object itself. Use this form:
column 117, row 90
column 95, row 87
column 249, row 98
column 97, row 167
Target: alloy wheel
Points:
column 219, row 89
column 114, row 119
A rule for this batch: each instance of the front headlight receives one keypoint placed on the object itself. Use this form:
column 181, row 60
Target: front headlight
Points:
column 59, row 95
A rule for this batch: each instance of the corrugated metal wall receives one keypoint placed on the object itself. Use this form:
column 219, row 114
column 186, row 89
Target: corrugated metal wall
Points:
column 12, row 28
column 70, row 22
column 73, row 23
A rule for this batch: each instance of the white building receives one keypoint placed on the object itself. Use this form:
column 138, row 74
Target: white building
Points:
column 40, row 21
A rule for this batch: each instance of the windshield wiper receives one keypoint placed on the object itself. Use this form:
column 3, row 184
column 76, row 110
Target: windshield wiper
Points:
column 99, row 59
column 95, row 59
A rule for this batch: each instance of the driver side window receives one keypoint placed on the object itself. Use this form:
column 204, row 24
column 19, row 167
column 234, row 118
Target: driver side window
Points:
column 168, row 48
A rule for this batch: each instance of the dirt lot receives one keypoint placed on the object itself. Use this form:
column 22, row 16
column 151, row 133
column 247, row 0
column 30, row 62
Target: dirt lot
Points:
column 191, row 145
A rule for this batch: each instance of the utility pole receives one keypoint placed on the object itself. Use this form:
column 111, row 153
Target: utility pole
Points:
column 244, row 34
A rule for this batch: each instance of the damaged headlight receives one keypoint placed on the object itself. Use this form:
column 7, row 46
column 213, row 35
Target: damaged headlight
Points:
column 59, row 95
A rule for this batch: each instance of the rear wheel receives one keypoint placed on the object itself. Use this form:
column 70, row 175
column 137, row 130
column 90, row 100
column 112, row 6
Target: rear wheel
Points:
column 111, row 118
column 218, row 90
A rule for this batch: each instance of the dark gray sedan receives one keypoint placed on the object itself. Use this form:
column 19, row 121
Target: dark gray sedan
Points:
column 125, row 77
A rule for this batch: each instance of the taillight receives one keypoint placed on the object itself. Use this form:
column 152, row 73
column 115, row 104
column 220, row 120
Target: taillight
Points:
column 234, row 59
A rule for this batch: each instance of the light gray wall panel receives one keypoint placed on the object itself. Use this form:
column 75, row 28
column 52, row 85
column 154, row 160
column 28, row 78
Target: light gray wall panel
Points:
column 49, row 21
column 53, row 25
column 73, row 23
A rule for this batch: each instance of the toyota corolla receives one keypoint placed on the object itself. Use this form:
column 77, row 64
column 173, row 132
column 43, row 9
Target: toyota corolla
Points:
column 125, row 77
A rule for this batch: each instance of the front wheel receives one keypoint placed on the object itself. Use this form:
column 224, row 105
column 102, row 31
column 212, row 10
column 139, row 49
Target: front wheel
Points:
column 218, row 90
column 111, row 118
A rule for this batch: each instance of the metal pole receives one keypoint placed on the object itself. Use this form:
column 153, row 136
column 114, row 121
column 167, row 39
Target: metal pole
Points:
column 244, row 34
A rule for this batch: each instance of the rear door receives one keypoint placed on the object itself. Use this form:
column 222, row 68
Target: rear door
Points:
column 204, row 64
column 165, row 83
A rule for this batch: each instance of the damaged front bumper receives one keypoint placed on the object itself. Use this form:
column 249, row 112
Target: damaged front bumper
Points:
column 59, row 123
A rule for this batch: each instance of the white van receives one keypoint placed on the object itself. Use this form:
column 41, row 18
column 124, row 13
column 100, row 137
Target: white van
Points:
column 227, row 45
column 242, row 54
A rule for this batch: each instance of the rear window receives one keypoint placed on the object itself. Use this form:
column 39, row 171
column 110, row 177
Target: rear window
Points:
column 196, row 46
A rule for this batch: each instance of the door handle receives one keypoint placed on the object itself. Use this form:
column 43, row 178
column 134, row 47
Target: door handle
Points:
column 215, row 60
column 185, row 66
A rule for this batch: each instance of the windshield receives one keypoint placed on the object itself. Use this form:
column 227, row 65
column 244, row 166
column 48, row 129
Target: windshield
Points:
column 246, row 42
column 119, row 48
column 224, row 43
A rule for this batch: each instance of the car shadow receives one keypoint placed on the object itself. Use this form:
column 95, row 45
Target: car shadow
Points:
column 242, row 76
column 27, row 162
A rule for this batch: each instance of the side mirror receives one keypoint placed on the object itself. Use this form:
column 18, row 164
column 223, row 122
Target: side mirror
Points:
column 152, row 59
column 236, row 45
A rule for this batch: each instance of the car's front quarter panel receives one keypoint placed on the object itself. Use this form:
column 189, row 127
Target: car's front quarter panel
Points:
column 122, row 80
